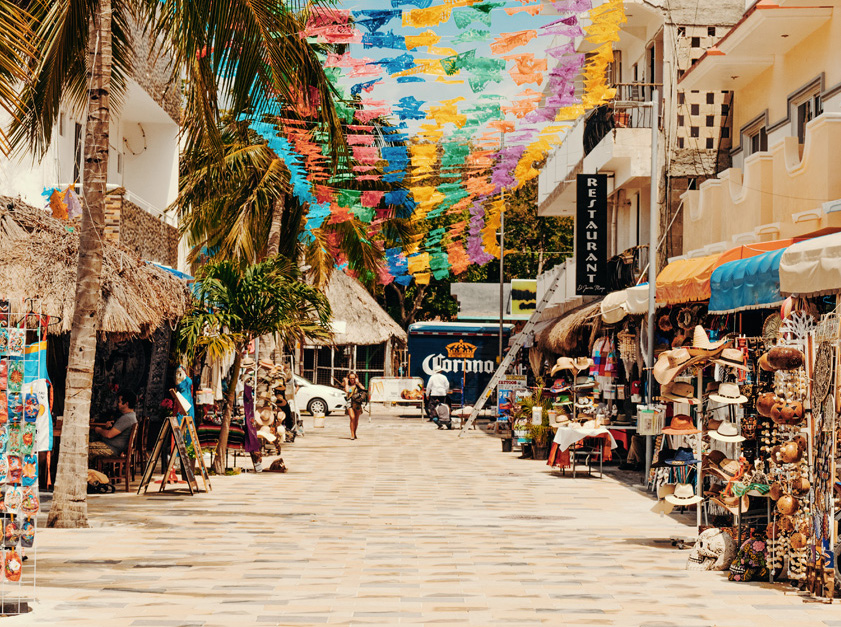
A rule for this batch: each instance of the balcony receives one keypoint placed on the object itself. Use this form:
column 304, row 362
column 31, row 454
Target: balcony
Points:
column 615, row 138
column 778, row 195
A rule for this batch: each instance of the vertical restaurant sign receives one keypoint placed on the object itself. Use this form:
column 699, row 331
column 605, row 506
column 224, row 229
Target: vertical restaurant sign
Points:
column 591, row 236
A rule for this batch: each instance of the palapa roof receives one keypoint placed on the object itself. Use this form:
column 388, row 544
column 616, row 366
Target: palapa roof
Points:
column 38, row 256
column 569, row 335
column 365, row 322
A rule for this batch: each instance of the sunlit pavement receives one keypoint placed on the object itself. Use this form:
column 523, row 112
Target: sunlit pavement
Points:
column 406, row 525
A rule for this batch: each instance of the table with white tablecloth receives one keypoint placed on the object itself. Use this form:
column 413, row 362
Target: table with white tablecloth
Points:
column 566, row 437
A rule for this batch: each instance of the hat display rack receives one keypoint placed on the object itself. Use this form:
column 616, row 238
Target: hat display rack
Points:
column 24, row 411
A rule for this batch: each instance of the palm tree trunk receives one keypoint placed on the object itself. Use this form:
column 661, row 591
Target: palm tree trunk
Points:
column 70, row 507
column 273, row 244
column 222, row 447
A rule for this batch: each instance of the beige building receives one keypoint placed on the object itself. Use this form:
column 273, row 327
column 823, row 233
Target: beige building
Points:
column 781, row 62
column 658, row 44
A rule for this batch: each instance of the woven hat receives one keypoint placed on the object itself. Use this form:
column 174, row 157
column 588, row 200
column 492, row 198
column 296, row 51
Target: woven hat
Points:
column 726, row 468
column 684, row 495
column 731, row 503
column 713, row 459
column 266, row 434
column 563, row 363
column 731, row 358
column 727, row 432
column 681, row 425
column 662, row 506
column 679, row 392
column 671, row 363
column 701, row 341
column 728, row 394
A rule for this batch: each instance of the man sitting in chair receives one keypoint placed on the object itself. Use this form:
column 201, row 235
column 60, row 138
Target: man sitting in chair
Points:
column 112, row 440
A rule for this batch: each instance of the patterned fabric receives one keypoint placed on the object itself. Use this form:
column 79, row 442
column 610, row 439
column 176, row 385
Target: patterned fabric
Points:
column 750, row 563
column 604, row 358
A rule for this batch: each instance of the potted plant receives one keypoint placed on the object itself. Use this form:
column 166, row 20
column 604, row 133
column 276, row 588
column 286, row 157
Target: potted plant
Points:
column 541, row 440
column 539, row 435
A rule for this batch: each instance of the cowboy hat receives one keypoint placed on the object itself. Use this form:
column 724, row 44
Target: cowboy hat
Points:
column 728, row 394
column 732, row 503
column 266, row 434
column 727, row 432
column 679, row 392
column 662, row 456
column 683, row 457
column 684, row 495
column 731, row 358
column 701, row 341
column 265, row 416
column 563, row 363
column 671, row 363
column 681, row 425
column 726, row 468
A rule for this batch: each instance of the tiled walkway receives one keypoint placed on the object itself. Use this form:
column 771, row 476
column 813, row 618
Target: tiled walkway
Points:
column 406, row 525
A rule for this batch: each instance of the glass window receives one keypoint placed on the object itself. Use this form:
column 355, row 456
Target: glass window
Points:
column 757, row 140
column 807, row 109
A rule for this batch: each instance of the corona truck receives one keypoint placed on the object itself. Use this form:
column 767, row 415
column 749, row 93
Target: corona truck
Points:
column 466, row 353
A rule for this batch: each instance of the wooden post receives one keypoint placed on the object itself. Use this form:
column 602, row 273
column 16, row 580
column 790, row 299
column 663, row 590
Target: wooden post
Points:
column 388, row 368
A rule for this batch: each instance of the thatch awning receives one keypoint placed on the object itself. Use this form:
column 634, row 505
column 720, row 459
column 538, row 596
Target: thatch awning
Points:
column 570, row 334
column 38, row 255
column 358, row 319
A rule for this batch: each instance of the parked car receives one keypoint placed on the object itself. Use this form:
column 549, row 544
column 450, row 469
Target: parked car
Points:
column 317, row 399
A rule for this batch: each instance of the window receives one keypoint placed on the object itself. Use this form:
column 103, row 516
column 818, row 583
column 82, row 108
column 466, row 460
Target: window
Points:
column 725, row 110
column 681, row 98
column 77, row 153
column 61, row 124
column 710, row 121
column 710, row 31
column 725, row 132
column 119, row 163
column 695, row 109
column 681, row 31
column 806, row 107
column 755, row 138
column 710, row 143
column 680, row 142
column 694, row 132
column 680, row 120
column 710, row 97
column 696, row 42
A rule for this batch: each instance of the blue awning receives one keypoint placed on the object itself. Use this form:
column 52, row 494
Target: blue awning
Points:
column 181, row 275
column 752, row 283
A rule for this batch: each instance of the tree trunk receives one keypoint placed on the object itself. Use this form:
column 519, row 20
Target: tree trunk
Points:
column 273, row 244
column 70, row 507
column 222, row 447
column 416, row 303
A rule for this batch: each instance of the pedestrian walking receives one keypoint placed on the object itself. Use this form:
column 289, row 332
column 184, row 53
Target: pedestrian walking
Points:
column 357, row 396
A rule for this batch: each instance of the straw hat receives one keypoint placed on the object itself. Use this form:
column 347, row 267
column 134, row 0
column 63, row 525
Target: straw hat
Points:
column 679, row 392
column 731, row 503
column 731, row 358
column 266, row 434
column 726, row 468
column 728, row 394
column 701, row 341
column 684, row 495
column 563, row 363
column 681, row 425
column 673, row 362
column 727, row 432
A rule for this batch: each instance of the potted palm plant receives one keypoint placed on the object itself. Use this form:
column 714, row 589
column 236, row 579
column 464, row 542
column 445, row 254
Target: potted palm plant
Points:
column 540, row 435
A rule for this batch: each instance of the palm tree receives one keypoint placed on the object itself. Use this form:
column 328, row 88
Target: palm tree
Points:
column 16, row 53
column 236, row 305
column 245, row 51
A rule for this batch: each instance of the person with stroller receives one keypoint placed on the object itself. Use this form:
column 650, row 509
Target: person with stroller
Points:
column 437, row 389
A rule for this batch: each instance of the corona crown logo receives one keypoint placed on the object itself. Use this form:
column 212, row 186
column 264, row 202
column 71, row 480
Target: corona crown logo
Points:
column 461, row 350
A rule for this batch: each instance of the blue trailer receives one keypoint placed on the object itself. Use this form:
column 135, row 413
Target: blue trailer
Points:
column 467, row 353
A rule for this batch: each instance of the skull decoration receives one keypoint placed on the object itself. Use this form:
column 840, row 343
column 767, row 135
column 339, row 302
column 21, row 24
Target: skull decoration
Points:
column 714, row 550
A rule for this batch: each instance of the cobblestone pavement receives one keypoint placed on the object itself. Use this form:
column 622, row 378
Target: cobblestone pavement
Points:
column 406, row 525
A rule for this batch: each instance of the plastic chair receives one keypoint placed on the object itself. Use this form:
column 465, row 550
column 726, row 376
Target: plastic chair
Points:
column 120, row 464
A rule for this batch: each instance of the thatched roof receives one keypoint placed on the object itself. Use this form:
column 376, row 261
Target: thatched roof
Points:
column 570, row 335
column 358, row 318
column 38, row 260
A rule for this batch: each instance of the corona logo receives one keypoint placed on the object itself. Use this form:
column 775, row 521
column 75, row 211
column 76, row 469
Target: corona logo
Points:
column 461, row 350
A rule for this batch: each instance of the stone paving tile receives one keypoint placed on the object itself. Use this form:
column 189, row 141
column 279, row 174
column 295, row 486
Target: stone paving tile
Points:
column 407, row 525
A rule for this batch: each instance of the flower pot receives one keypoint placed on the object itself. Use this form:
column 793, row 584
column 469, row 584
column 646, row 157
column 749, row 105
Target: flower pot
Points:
column 318, row 421
column 507, row 445
column 541, row 451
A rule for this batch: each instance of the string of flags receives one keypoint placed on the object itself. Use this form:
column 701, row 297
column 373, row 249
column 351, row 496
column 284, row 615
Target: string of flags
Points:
column 442, row 163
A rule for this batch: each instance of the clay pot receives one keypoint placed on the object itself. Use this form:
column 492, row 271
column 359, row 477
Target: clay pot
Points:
column 800, row 485
column 784, row 358
column 790, row 452
column 785, row 524
column 798, row 540
column 787, row 504
column 765, row 403
column 776, row 491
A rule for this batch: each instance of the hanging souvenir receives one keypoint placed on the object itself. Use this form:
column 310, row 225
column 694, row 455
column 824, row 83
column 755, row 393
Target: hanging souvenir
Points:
column 15, row 376
column 4, row 313
column 27, row 536
column 4, row 341
column 28, row 438
column 13, row 566
column 17, row 340
column 4, row 408
column 4, row 468
column 29, row 501
column 13, row 475
column 31, row 407
column 4, row 372
column 11, row 532
column 14, row 495
column 30, row 470
column 15, row 407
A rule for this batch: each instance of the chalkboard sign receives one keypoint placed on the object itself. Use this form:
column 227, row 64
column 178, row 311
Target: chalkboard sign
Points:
column 170, row 428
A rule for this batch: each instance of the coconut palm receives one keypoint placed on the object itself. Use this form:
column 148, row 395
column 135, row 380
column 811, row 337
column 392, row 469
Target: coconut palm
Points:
column 16, row 53
column 247, row 52
column 236, row 304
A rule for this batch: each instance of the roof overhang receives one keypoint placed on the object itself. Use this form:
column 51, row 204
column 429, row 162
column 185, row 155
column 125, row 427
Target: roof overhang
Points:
column 767, row 30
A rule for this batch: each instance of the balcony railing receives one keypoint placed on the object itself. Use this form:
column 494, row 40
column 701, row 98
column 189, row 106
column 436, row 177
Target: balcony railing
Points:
column 629, row 109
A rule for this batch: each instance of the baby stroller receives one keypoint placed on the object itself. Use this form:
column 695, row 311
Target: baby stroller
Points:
column 440, row 414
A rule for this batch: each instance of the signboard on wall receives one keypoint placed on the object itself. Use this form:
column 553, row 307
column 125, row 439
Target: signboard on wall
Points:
column 523, row 297
column 591, row 236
